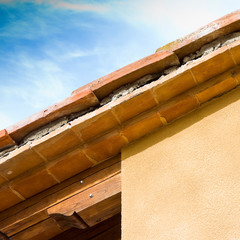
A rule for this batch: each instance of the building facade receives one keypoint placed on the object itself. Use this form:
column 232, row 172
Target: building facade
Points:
column 149, row 151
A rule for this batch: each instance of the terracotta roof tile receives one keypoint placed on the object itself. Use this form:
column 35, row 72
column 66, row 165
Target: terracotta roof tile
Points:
column 226, row 83
column 133, row 104
column 235, row 51
column 95, row 123
column 69, row 165
column 105, row 147
column 19, row 161
column 33, row 183
column 5, row 139
column 77, row 102
column 150, row 64
column 192, row 42
column 101, row 133
column 141, row 125
column 56, row 143
column 213, row 64
column 8, row 198
column 2, row 180
column 173, row 84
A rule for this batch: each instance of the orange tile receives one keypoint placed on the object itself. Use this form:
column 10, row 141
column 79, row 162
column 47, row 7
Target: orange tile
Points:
column 33, row 182
column 142, row 125
column 95, row 123
column 178, row 108
column 19, row 161
column 235, row 50
column 5, row 139
column 192, row 42
column 130, row 73
column 236, row 74
column 217, row 89
column 172, row 85
column 56, row 143
column 105, row 147
column 2, row 180
column 8, row 198
column 77, row 102
column 133, row 104
column 69, row 165
column 213, row 64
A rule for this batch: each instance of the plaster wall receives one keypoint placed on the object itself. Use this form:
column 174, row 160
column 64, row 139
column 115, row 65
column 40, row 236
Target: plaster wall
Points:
column 183, row 182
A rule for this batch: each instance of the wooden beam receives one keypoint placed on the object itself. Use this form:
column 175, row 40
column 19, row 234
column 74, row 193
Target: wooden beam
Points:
column 42, row 230
column 33, row 210
column 26, row 223
column 95, row 231
column 105, row 203
column 92, row 215
column 3, row 236
column 66, row 222
column 93, row 205
column 89, row 197
column 102, row 210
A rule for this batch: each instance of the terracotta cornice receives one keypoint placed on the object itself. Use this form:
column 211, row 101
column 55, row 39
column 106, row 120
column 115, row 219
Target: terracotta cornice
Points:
column 100, row 134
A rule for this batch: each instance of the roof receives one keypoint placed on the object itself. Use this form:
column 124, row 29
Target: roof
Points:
column 100, row 118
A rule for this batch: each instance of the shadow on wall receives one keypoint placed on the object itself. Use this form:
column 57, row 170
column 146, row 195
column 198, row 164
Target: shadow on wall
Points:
column 186, row 121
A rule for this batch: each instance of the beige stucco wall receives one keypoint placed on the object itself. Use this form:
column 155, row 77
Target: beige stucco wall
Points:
column 183, row 182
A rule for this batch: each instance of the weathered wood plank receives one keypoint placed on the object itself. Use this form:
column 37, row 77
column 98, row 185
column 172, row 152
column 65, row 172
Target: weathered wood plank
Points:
column 92, row 215
column 66, row 222
column 57, row 188
column 91, row 232
column 3, row 236
column 113, row 233
column 105, row 202
column 102, row 210
column 20, row 213
column 27, row 222
column 89, row 197
column 43, row 230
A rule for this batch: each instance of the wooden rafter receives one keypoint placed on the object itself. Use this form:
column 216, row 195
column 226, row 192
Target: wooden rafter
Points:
column 69, row 204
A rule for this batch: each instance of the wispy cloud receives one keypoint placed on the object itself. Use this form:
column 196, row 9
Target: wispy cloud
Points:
column 39, row 81
column 51, row 47
column 172, row 18
column 59, row 53
column 34, row 84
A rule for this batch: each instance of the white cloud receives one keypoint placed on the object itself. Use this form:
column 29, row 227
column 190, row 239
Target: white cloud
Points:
column 172, row 19
column 62, row 54
column 32, row 86
column 39, row 81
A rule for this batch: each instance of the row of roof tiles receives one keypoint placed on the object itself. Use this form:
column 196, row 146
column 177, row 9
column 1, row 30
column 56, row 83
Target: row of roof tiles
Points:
column 91, row 94
column 101, row 134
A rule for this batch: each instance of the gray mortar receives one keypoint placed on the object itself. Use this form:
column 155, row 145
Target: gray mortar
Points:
column 212, row 46
column 45, row 130
column 124, row 90
column 37, row 134
column 129, row 88
column 5, row 152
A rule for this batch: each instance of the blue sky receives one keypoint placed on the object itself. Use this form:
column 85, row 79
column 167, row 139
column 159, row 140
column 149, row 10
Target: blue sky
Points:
column 48, row 48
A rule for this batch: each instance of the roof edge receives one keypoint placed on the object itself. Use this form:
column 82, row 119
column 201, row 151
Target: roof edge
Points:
column 192, row 42
column 91, row 94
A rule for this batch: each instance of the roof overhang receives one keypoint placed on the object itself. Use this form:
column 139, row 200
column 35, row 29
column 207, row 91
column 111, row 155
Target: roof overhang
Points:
column 44, row 152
